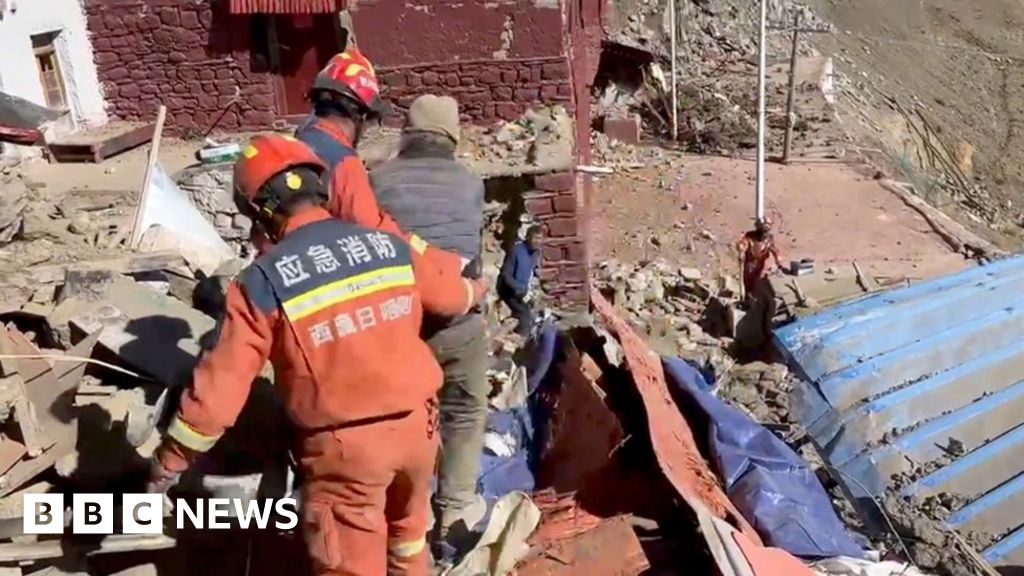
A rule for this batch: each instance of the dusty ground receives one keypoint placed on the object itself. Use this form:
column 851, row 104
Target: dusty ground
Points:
column 123, row 172
column 694, row 208
column 960, row 63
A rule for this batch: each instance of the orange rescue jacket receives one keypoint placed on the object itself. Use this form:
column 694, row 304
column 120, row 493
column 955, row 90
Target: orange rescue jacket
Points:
column 336, row 308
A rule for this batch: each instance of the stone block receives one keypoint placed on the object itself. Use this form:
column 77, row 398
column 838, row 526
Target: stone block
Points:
column 565, row 204
column 479, row 96
column 572, row 273
column 539, row 206
column 502, row 93
column 576, row 251
column 451, row 79
column 562, row 227
column 623, row 128
column 394, row 79
column 509, row 76
column 555, row 182
column 490, row 76
column 507, row 110
column 190, row 20
column 105, row 58
column 552, row 254
column 431, row 78
column 555, row 71
column 526, row 95
column 170, row 17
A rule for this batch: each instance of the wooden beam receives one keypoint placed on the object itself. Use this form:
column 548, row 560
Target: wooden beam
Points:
column 97, row 152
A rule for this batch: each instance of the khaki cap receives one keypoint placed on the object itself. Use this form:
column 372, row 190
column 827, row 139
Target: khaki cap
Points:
column 438, row 114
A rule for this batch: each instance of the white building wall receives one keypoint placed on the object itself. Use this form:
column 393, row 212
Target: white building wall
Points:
column 19, row 21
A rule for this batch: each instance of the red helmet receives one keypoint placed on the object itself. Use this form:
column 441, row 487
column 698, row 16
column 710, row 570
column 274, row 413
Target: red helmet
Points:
column 351, row 75
column 266, row 156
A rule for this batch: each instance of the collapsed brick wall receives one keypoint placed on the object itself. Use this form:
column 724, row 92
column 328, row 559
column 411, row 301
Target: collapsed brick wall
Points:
column 486, row 91
column 554, row 204
column 191, row 56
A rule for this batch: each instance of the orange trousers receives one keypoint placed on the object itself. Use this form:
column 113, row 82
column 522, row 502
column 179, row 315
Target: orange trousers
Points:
column 367, row 496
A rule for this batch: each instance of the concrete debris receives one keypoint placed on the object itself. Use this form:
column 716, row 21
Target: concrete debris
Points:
column 137, row 324
column 670, row 305
column 540, row 141
column 13, row 199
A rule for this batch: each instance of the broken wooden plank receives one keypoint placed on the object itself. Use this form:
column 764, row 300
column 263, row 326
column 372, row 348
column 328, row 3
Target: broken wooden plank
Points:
column 153, row 332
column 11, row 451
column 14, row 552
column 99, row 151
column 50, row 403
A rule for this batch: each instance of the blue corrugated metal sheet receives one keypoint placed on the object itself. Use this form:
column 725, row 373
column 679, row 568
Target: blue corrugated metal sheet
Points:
column 928, row 378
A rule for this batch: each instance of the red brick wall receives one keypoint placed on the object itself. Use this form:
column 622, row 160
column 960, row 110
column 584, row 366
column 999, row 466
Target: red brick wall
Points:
column 194, row 59
column 497, row 57
column 486, row 91
column 554, row 203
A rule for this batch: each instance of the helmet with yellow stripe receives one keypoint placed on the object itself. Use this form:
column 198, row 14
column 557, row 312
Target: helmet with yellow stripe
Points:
column 349, row 76
column 272, row 170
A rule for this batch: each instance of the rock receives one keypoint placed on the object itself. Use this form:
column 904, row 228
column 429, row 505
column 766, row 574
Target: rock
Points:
column 707, row 235
column 690, row 273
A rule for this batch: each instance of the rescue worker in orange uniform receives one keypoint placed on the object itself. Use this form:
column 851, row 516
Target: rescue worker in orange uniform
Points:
column 345, row 97
column 336, row 308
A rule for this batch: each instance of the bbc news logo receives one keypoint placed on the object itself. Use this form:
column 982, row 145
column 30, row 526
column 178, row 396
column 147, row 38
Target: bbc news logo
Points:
column 144, row 513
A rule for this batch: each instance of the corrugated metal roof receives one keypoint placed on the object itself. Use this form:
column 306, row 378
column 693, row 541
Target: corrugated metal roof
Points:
column 925, row 380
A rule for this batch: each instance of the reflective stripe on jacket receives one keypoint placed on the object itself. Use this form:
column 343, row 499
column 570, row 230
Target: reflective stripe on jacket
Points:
column 337, row 309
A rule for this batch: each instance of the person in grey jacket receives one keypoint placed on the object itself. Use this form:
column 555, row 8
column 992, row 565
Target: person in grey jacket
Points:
column 430, row 194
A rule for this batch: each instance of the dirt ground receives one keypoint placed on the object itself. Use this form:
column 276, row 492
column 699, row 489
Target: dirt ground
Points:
column 122, row 172
column 694, row 208
column 958, row 61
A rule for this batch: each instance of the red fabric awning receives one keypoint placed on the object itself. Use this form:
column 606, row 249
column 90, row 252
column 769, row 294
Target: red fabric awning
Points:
column 286, row 6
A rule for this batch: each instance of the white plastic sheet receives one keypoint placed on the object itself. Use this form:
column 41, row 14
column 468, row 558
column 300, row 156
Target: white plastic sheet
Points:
column 843, row 566
column 184, row 227
column 503, row 544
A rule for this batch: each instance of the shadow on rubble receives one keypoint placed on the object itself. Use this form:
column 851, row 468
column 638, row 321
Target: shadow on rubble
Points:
column 598, row 446
column 105, row 461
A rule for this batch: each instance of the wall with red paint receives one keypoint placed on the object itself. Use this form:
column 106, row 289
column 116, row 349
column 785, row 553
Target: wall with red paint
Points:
column 498, row 58
column 193, row 57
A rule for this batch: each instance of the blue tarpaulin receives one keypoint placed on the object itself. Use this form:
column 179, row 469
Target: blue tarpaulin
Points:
column 771, row 485
column 501, row 474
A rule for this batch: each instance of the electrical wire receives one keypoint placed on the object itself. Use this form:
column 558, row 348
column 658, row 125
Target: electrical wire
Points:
column 62, row 358
column 892, row 527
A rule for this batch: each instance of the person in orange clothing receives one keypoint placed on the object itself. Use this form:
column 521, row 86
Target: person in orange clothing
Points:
column 345, row 96
column 755, row 248
column 336, row 308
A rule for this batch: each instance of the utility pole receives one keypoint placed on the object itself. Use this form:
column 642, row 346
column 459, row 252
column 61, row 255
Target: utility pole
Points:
column 675, row 102
column 762, row 49
column 790, row 115
column 791, row 92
